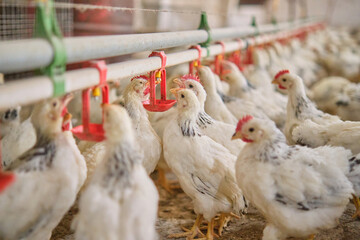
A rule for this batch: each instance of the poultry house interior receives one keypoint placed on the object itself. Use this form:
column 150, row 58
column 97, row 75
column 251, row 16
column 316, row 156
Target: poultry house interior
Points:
column 149, row 119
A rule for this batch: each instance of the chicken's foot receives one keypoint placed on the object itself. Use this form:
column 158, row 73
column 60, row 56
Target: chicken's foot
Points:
column 356, row 202
column 168, row 185
column 210, row 231
column 311, row 237
column 190, row 233
column 224, row 220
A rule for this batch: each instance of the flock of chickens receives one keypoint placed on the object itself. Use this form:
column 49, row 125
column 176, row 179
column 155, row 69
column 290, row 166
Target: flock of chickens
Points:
column 289, row 148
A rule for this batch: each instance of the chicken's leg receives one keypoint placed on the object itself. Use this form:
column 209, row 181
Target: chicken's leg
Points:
column 193, row 232
column 210, row 231
column 165, row 183
column 356, row 201
column 311, row 237
column 224, row 219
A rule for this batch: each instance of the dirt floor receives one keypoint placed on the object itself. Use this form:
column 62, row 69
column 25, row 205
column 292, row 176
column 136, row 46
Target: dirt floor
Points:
column 175, row 210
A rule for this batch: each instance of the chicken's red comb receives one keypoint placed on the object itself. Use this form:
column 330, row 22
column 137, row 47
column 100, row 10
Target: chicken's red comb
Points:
column 140, row 76
column 190, row 77
column 282, row 72
column 242, row 121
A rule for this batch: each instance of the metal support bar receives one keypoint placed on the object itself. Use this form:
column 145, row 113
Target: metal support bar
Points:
column 31, row 90
column 24, row 55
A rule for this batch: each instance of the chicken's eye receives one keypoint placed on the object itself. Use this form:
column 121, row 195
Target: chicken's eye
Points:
column 182, row 96
column 251, row 129
column 284, row 79
column 14, row 113
column 54, row 104
column 191, row 86
column 7, row 114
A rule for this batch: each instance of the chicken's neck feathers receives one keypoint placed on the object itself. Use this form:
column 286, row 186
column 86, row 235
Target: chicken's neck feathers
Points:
column 271, row 150
column 39, row 158
column 204, row 119
column 299, row 105
column 42, row 140
column 226, row 98
column 120, row 162
column 239, row 86
column 187, row 122
column 209, row 85
column 135, row 108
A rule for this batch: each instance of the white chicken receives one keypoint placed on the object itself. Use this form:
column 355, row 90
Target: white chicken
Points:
column 217, row 103
column 216, row 130
column 18, row 137
column 205, row 169
column 279, row 58
column 306, row 125
column 337, row 95
column 213, row 104
column 299, row 190
column 149, row 141
column 121, row 200
column 158, row 122
column 240, row 88
column 343, row 62
column 93, row 155
column 262, row 78
column 9, row 120
column 348, row 102
column 46, row 177
column 306, row 68
column 80, row 161
column 259, row 76
column 325, row 91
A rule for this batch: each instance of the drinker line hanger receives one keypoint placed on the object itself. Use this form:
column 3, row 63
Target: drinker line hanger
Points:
column 92, row 131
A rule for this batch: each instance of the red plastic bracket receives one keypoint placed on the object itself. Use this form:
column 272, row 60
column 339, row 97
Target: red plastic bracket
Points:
column 196, row 63
column 91, row 131
column 219, row 58
column 249, row 51
column 235, row 57
column 162, row 104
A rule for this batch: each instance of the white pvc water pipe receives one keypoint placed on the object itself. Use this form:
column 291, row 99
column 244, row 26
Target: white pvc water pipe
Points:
column 30, row 54
column 31, row 90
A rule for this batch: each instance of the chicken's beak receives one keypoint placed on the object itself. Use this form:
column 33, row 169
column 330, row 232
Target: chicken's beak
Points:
column 104, row 105
column 275, row 81
column 237, row 135
column 179, row 82
column 67, row 117
column 174, row 91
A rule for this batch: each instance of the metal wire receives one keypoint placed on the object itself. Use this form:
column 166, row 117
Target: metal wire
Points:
column 84, row 7
column 17, row 19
